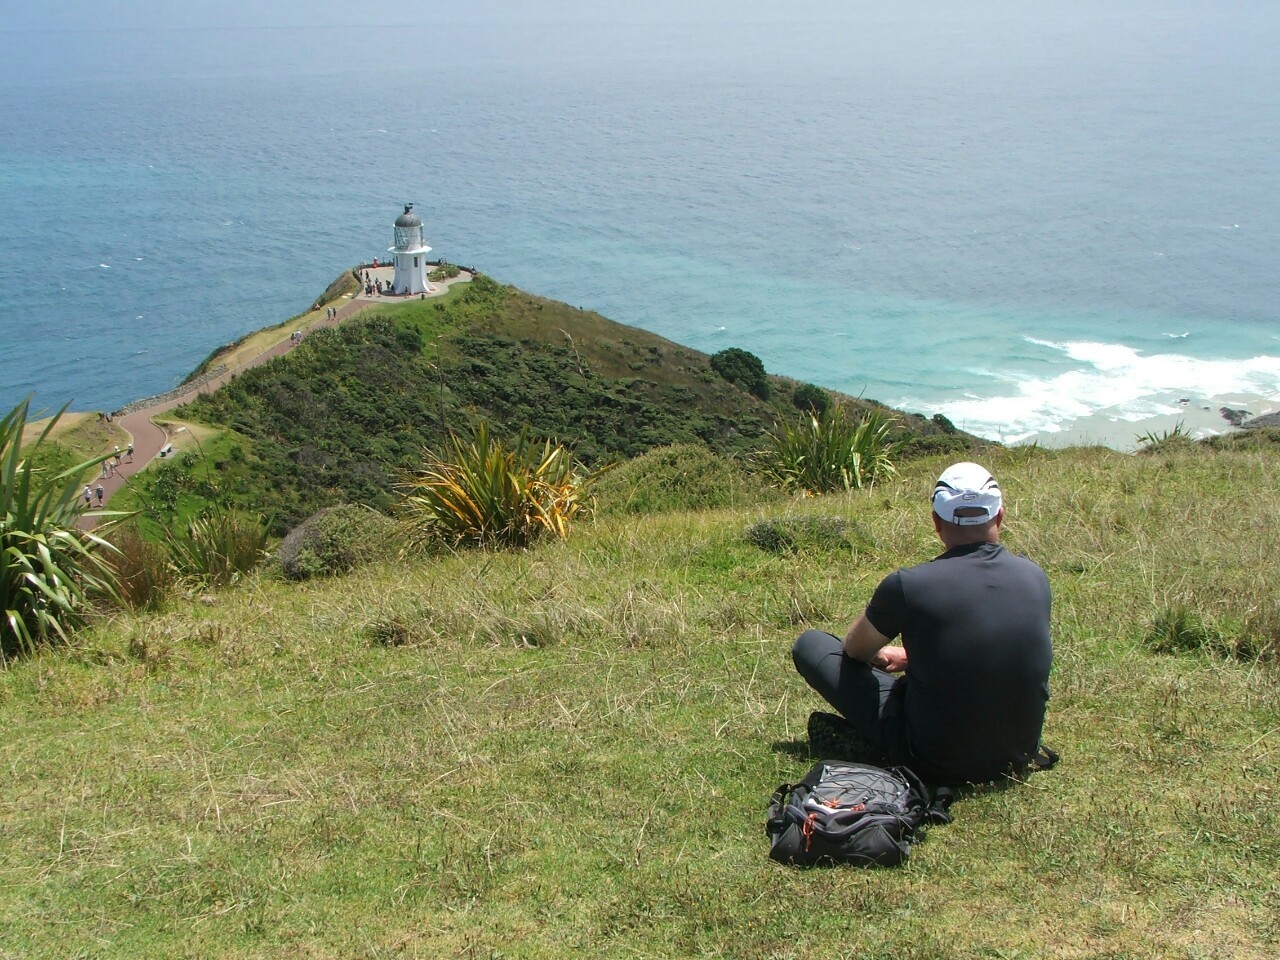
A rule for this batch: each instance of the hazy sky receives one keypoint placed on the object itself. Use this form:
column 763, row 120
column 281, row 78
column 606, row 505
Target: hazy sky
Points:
column 177, row 14
column 95, row 40
column 130, row 14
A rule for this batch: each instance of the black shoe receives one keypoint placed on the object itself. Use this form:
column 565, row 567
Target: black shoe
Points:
column 832, row 737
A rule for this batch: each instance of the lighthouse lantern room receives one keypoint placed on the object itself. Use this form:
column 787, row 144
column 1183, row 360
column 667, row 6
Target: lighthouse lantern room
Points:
column 411, row 255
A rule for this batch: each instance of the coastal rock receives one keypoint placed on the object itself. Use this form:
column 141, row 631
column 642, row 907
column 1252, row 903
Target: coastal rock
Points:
column 1266, row 420
column 1234, row 417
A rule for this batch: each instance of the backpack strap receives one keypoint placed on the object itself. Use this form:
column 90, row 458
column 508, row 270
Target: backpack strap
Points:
column 933, row 802
column 777, row 809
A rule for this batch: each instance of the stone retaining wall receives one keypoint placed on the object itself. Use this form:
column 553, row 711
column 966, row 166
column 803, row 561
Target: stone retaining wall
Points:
column 190, row 387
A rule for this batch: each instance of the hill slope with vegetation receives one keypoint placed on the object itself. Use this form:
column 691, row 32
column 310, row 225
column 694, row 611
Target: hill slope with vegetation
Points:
column 341, row 417
column 561, row 741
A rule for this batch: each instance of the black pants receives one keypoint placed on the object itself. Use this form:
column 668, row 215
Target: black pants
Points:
column 868, row 698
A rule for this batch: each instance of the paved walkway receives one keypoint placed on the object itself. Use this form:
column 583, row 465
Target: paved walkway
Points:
column 149, row 438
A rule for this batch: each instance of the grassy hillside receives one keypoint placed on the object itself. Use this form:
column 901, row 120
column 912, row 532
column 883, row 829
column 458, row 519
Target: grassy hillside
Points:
column 567, row 751
column 340, row 417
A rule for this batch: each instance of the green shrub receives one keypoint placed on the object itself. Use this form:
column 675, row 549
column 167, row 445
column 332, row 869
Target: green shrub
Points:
column 742, row 369
column 488, row 493
column 912, row 447
column 944, row 423
column 49, row 568
column 812, row 399
column 835, row 453
column 336, row 540
column 685, row 476
column 446, row 271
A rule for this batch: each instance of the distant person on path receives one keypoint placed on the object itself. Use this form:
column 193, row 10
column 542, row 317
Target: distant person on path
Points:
column 88, row 497
column 975, row 649
column 129, row 453
column 101, row 494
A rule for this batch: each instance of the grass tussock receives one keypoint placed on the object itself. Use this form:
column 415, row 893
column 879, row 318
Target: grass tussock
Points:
column 567, row 749
column 488, row 492
column 141, row 570
column 220, row 545
column 835, row 451
column 50, row 568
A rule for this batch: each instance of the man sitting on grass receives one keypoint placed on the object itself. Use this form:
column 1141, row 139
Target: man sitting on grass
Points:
column 974, row 624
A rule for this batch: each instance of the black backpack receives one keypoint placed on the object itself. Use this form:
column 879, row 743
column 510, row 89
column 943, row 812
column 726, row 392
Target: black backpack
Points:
column 851, row 813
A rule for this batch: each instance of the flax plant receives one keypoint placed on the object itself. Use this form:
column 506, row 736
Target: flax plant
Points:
column 486, row 493
column 220, row 545
column 49, row 568
column 831, row 452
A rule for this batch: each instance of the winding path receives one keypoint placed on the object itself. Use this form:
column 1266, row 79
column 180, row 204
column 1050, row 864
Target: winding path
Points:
column 149, row 438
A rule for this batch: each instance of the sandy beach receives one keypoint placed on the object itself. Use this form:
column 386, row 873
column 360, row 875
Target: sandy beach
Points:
column 1200, row 417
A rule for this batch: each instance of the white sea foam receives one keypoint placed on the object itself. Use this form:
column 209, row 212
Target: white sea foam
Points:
column 1109, row 380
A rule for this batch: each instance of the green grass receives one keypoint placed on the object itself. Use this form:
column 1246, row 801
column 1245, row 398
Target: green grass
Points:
column 567, row 750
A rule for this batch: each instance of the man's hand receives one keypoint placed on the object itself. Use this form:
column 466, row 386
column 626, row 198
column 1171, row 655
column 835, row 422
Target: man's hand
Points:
column 890, row 659
column 863, row 641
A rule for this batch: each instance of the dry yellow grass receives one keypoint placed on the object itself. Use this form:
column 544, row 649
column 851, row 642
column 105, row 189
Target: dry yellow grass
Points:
column 83, row 434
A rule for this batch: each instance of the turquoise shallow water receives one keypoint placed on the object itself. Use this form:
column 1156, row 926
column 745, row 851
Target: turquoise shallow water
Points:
column 1026, row 221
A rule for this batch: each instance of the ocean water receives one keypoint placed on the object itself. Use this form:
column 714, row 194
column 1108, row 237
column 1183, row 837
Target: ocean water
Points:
column 1041, row 223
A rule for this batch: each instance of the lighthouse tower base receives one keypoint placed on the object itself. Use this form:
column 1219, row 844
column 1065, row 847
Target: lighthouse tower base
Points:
column 411, row 272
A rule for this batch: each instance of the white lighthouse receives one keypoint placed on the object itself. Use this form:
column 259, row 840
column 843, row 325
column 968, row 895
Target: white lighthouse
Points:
column 411, row 255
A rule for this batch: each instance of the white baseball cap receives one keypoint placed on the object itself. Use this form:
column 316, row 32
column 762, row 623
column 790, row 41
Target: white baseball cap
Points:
column 966, row 485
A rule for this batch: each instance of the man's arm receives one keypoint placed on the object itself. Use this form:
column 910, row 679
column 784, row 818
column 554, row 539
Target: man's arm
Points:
column 864, row 642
